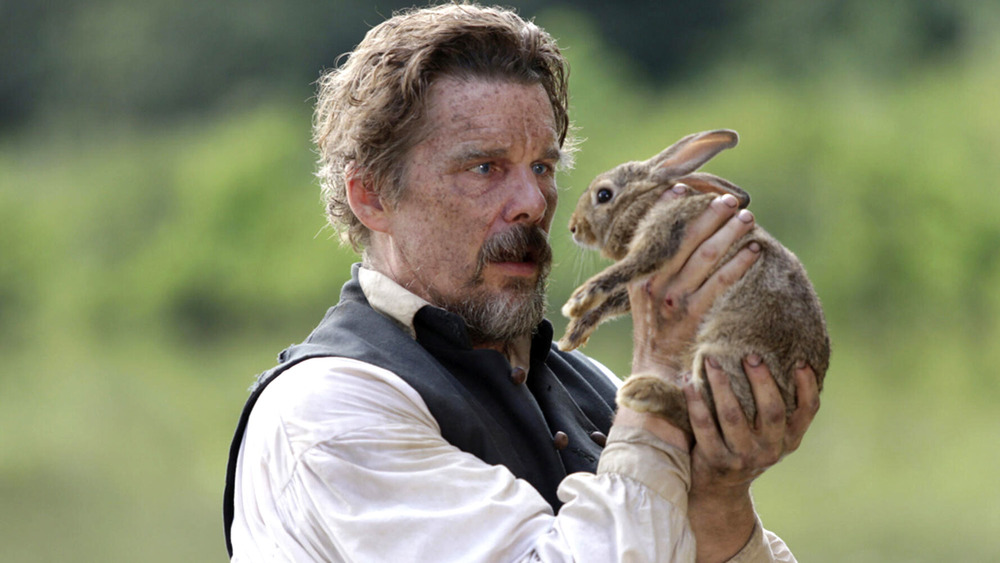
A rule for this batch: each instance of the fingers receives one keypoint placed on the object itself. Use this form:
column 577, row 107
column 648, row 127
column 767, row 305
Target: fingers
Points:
column 677, row 191
column 735, row 447
column 723, row 453
column 712, row 234
column 770, row 425
column 706, row 242
column 728, row 274
column 736, row 430
column 807, row 397
column 706, row 435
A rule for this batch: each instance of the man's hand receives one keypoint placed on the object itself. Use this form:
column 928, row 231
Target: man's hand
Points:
column 741, row 452
column 727, row 458
column 667, row 309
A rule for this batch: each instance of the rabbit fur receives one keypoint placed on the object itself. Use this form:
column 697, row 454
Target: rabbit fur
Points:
column 772, row 311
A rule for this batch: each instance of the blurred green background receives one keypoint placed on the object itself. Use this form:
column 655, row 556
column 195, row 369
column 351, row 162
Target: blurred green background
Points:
column 161, row 239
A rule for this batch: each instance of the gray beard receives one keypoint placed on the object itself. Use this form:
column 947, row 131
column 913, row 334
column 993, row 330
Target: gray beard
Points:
column 514, row 311
column 503, row 317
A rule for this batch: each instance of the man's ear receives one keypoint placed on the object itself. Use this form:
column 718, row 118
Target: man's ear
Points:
column 365, row 203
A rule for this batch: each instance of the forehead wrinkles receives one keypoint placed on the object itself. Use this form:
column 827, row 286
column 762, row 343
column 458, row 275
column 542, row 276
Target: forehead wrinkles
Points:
column 504, row 113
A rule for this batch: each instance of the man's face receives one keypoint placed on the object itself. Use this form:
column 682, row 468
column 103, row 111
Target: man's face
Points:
column 470, row 232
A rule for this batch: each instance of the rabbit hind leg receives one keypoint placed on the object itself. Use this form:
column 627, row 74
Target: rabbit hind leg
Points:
column 655, row 395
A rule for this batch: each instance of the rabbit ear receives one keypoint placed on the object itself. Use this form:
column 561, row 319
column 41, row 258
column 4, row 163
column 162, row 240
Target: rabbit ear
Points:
column 710, row 183
column 688, row 154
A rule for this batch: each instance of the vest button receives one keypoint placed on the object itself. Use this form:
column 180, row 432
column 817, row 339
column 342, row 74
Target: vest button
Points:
column 518, row 375
column 599, row 438
column 560, row 440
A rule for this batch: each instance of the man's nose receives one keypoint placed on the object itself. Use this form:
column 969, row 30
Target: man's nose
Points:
column 528, row 201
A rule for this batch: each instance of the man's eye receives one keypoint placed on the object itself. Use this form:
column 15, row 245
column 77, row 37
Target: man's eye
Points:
column 541, row 168
column 485, row 168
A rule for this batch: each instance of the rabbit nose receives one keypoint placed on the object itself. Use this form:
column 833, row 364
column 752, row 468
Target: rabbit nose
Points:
column 572, row 229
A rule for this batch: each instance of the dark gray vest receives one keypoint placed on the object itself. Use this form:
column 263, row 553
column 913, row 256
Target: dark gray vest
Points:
column 471, row 393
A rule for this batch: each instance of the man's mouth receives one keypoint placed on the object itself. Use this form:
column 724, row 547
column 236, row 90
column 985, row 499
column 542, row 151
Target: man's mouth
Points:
column 519, row 251
column 529, row 255
column 522, row 264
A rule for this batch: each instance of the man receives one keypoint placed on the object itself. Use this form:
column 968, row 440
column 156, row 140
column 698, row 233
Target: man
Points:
column 428, row 417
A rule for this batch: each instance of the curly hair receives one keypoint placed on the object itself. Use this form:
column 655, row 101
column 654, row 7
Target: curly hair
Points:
column 369, row 109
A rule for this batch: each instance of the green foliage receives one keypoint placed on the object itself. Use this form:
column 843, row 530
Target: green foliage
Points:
column 147, row 274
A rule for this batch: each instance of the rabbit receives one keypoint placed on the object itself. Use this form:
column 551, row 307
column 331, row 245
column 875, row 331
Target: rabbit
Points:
column 772, row 311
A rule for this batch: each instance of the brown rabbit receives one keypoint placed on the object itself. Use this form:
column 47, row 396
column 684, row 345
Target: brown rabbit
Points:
column 772, row 311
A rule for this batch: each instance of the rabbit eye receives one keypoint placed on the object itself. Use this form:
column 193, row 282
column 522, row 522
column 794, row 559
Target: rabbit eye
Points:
column 604, row 195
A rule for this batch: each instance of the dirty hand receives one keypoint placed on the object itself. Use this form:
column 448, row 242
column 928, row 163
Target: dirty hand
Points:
column 667, row 308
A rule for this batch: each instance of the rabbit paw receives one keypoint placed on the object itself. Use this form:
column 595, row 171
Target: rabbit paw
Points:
column 585, row 298
column 577, row 334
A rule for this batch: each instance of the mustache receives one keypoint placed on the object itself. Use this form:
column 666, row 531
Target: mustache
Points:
column 521, row 243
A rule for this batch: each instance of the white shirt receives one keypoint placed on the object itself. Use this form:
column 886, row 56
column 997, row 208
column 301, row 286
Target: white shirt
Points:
column 342, row 461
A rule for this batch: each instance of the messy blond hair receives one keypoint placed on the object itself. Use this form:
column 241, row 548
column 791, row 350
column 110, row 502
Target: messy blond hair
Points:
column 369, row 110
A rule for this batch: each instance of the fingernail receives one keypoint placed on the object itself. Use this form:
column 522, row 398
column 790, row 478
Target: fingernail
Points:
column 679, row 189
column 800, row 364
column 730, row 200
column 753, row 360
column 745, row 215
column 754, row 247
column 713, row 362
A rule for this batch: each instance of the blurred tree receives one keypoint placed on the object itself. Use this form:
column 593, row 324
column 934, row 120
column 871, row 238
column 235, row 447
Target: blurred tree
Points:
column 154, row 60
column 888, row 36
column 21, row 64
